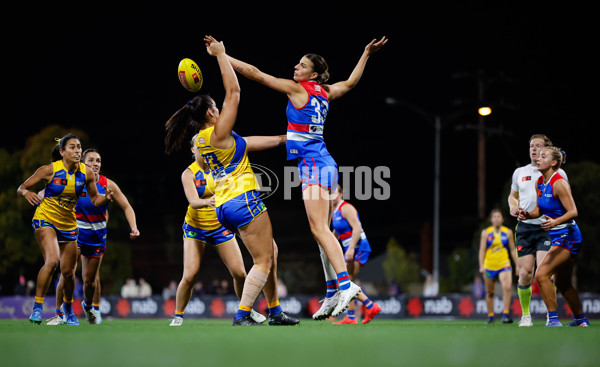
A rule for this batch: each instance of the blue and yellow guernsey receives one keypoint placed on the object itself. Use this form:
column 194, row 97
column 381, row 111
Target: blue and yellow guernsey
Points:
column 496, row 255
column 60, row 198
column 230, row 167
column 206, row 217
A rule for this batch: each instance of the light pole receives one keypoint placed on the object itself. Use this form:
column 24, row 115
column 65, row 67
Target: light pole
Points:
column 436, row 121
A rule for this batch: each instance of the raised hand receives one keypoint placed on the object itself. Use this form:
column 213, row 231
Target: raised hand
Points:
column 213, row 47
column 375, row 45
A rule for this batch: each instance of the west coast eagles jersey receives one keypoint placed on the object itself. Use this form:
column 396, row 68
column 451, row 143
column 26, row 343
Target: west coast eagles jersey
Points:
column 206, row 217
column 496, row 255
column 60, row 197
column 230, row 168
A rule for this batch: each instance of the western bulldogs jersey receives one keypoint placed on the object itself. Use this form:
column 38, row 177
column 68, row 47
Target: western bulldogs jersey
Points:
column 306, row 124
column 344, row 230
column 549, row 205
column 91, row 219
column 60, row 197
column 206, row 217
column 524, row 182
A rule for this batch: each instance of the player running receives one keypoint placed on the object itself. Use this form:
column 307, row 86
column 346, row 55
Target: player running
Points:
column 555, row 203
column 54, row 221
column 348, row 229
column 91, row 241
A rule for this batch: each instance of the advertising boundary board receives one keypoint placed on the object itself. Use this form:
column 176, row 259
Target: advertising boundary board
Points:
column 453, row 306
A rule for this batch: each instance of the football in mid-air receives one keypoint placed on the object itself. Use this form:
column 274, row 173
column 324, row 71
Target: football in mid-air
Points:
column 190, row 75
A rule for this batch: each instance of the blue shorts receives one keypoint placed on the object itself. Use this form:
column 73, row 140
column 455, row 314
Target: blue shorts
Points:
column 240, row 211
column 360, row 255
column 61, row 236
column 569, row 238
column 91, row 251
column 494, row 273
column 322, row 171
column 214, row 237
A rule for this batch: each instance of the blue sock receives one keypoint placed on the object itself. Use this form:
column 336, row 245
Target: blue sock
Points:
column 67, row 306
column 59, row 312
column 368, row 303
column 331, row 288
column 352, row 314
column 87, row 305
column 96, row 308
column 343, row 280
column 38, row 306
column 553, row 315
column 242, row 312
column 274, row 308
column 579, row 317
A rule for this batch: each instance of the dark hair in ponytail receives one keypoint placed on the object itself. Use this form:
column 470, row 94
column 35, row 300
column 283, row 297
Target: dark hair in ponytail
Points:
column 320, row 67
column 192, row 114
column 60, row 145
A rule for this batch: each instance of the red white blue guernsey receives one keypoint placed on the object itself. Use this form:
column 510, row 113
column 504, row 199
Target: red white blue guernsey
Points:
column 91, row 219
column 306, row 124
column 552, row 207
column 344, row 230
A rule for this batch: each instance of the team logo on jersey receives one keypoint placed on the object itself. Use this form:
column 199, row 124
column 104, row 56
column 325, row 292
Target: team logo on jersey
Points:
column 201, row 140
column 526, row 178
column 60, row 181
column 200, row 183
column 316, row 129
column 226, row 232
column 83, row 194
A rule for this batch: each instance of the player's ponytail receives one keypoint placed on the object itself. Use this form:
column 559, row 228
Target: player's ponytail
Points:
column 558, row 155
column 320, row 67
column 191, row 115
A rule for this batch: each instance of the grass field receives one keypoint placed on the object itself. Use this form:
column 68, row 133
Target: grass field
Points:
column 216, row 343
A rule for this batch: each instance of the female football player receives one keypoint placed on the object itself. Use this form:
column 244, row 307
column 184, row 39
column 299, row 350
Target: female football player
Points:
column 532, row 241
column 91, row 241
column 201, row 226
column 54, row 222
column 348, row 229
column 238, row 207
column 307, row 108
column 556, row 203
column 497, row 241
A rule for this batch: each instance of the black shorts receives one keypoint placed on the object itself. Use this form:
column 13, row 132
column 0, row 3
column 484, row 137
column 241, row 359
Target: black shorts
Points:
column 531, row 238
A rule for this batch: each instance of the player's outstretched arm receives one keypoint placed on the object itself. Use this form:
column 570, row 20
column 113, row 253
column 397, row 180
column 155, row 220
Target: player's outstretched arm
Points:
column 256, row 143
column 338, row 89
column 221, row 136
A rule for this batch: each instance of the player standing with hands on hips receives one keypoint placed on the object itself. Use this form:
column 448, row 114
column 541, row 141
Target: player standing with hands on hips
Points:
column 308, row 105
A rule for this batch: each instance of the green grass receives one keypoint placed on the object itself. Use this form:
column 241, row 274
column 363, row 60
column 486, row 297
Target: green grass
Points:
column 216, row 343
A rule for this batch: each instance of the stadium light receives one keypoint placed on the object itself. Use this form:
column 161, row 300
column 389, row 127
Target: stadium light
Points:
column 484, row 111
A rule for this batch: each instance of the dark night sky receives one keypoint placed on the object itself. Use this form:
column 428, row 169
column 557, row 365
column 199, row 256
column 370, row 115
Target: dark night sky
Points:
column 112, row 72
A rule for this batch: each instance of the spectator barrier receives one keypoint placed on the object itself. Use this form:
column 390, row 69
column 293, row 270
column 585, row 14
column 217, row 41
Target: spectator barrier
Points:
column 455, row 306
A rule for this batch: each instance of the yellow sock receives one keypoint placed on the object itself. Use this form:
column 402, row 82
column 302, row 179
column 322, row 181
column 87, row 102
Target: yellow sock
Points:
column 273, row 304
column 39, row 299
